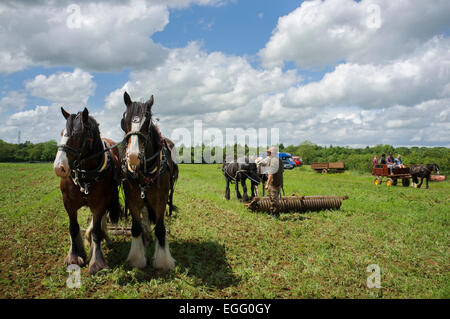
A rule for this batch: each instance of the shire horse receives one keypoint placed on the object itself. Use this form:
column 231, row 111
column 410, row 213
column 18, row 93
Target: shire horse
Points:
column 149, row 174
column 238, row 172
column 422, row 171
column 89, row 177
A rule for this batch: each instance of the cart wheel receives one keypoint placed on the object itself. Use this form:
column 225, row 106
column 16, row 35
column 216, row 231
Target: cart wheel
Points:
column 324, row 171
column 405, row 182
column 377, row 181
column 389, row 182
column 394, row 183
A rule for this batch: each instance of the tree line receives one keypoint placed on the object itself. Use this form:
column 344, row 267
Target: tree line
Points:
column 359, row 159
column 28, row 152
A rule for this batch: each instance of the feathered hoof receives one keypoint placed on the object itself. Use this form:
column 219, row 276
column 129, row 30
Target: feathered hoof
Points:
column 136, row 257
column 72, row 258
column 97, row 266
column 162, row 258
column 139, row 263
column 167, row 264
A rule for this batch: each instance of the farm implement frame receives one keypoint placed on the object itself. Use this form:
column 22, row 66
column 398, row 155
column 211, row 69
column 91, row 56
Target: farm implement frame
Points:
column 383, row 174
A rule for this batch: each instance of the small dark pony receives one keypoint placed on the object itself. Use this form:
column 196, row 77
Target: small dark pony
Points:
column 238, row 172
column 89, row 177
column 149, row 174
column 424, row 172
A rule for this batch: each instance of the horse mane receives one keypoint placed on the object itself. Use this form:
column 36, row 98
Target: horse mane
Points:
column 157, row 138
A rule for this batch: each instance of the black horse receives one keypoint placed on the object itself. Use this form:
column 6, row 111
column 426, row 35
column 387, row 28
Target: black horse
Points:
column 263, row 178
column 422, row 171
column 238, row 172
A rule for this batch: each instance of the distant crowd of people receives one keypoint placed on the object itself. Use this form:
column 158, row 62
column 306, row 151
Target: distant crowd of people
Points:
column 390, row 161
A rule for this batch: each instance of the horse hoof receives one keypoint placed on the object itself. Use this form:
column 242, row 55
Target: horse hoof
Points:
column 162, row 259
column 165, row 264
column 71, row 258
column 139, row 263
column 96, row 267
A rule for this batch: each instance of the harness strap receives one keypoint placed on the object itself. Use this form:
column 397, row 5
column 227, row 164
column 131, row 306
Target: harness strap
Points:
column 248, row 176
column 88, row 177
column 226, row 172
column 138, row 133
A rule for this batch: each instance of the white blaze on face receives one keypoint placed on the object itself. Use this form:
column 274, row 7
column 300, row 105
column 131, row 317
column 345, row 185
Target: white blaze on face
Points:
column 61, row 163
column 133, row 146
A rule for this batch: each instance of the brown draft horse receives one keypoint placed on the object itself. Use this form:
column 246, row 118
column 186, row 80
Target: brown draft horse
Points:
column 89, row 177
column 149, row 176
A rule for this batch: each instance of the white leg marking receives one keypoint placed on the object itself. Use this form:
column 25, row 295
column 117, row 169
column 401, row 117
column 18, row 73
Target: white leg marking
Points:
column 162, row 259
column 136, row 257
column 88, row 233
column 105, row 231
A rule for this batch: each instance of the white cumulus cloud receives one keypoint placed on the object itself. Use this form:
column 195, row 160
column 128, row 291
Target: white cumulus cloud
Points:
column 64, row 87
column 321, row 33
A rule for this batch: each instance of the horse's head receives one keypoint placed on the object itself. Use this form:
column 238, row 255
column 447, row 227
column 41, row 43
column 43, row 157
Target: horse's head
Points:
column 136, row 124
column 436, row 168
column 76, row 141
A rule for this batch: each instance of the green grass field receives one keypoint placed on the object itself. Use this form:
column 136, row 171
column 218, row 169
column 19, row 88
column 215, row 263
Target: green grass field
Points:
column 225, row 251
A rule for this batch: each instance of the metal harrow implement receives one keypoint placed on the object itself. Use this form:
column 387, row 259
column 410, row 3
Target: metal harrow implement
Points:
column 297, row 203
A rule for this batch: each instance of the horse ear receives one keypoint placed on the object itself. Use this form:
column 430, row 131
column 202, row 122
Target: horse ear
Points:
column 85, row 115
column 149, row 103
column 65, row 113
column 126, row 99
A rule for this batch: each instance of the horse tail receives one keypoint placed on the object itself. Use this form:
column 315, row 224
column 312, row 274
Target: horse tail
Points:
column 173, row 179
column 114, row 209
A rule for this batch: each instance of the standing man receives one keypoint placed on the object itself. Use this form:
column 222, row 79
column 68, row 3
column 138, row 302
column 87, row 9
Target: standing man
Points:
column 275, row 180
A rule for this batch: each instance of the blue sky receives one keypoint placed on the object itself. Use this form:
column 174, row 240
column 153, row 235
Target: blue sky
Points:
column 239, row 28
column 326, row 71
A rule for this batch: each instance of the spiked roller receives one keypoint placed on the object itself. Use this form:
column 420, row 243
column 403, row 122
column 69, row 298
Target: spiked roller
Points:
column 297, row 203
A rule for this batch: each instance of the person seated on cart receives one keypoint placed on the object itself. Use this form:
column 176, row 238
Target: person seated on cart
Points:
column 383, row 159
column 398, row 162
column 390, row 162
column 375, row 161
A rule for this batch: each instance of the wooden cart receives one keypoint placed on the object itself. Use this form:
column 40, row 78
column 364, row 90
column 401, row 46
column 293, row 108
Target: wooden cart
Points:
column 382, row 173
column 325, row 167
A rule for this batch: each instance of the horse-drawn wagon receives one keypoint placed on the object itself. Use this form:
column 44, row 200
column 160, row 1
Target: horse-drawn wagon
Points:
column 381, row 171
column 325, row 167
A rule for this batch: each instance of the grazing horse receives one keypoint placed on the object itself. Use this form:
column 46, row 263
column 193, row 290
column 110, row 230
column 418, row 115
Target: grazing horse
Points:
column 422, row 171
column 89, row 177
column 238, row 172
column 149, row 176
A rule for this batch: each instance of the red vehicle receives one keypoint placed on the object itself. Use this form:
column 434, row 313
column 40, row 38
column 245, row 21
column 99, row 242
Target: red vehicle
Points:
column 298, row 160
column 382, row 171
